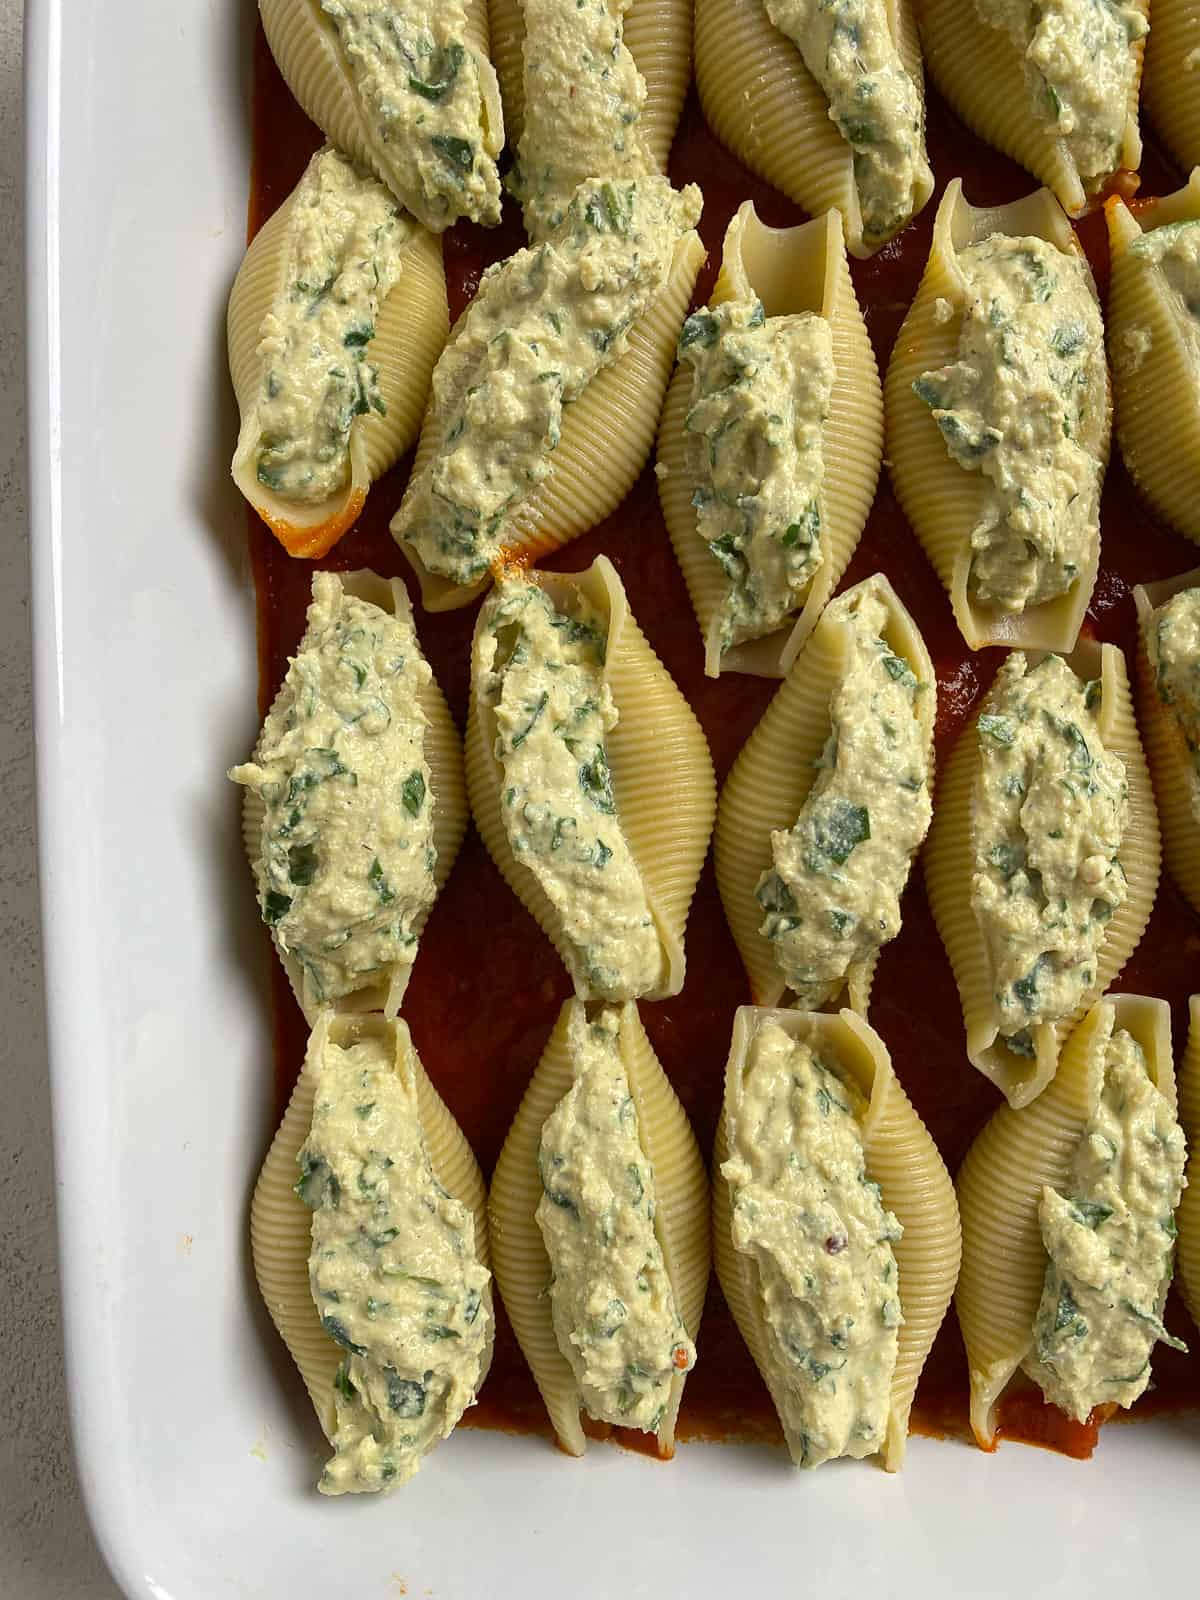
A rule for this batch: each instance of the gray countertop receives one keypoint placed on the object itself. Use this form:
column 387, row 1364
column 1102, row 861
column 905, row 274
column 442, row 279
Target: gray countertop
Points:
column 46, row 1551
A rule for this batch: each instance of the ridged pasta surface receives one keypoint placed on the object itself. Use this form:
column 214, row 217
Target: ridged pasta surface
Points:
column 941, row 500
column 790, row 270
column 1167, row 754
column 1170, row 87
column 1000, row 1183
column 948, row 872
column 1187, row 1218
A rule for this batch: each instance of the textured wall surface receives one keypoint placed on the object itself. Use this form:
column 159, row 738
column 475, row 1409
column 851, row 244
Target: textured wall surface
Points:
column 46, row 1551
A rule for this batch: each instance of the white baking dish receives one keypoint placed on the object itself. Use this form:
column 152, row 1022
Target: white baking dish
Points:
column 196, row 1447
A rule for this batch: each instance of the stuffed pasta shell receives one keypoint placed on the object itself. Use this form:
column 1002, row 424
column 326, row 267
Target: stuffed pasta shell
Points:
column 1051, row 83
column 406, row 88
column 1189, row 1207
column 770, row 441
column 1043, row 857
column 1172, row 77
column 998, row 420
column 589, row 777
column 835, row 1230
column 336, row 318
column 547, row 397
column 1169, row 710
column 589, row 91
column 355, row 802
column 1067, row 1215
column 1154, row 346
column 368, row 1230
column 599, row 1217
column 825, row 102
column 828, row 803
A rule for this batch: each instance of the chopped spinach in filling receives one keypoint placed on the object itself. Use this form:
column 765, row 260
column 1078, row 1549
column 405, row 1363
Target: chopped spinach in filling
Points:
column 877, row 108
column 541, row 327
column 393, row 1271
column 760, row 396
column 417, row 83
column 347, row 853
column 542, row 675
column 1023, row 405
column 808, row 1215
column 1173, row 253
column 831, row 897
column 614, row 1309
column 1173, row 644
column 1110, row 1239
column 345, row 237
column 1050, row 812
column 583, row 105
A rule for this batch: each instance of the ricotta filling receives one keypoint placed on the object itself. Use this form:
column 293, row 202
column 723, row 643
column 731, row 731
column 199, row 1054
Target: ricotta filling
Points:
column 394, row 1273
column 1109, row 1240
column 615, row 1316
column 1018, row 406
column 417, row 82
column 1080, row 71
column 1173, row 644
column 543, row 325
column 875, row 105
column 347, row 850
column 760, row 397
column 831, row 898
column 814, row 1225
column 583, row 105
column 1049, row 816
column 543, row 679
column 345, row 236
column 1173, row 252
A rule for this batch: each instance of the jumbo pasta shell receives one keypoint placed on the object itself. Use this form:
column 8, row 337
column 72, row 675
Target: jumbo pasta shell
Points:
column 777, row 767
column 658, row 34
column 409, row 334
column 948, row 873
column 1000, row 1183
column 305, row 46
column 1156, row 388
column 901, row 1157
column 763, row 103
column 1171, row 84
column 606, row 437
column 941, row 500
column 1166, row 749
column 979, row 71
column 443, row 752
column 662, row 774
column 790, row 270
column 521, row 1263
column 281, row 1224
column 1187, row 1218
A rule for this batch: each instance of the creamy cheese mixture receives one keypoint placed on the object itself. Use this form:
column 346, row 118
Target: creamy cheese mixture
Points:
column 417, row 82
column 1049, row 814
column 393, row 1270
column 542, row 675
column 542, row 325
column 345, row 236
column 1110, row 1239
column 1173, row 251
column 614, row 1309
column 760, row 395
column 1173, row 644
column 583, row 104
column 877, row 108
column 1080, row 70
column 347, row 854
column 1029, row 377
column 812, row 1221
column 832, row 894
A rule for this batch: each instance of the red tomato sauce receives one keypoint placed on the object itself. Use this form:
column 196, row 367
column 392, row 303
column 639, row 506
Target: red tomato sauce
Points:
column 488, row 985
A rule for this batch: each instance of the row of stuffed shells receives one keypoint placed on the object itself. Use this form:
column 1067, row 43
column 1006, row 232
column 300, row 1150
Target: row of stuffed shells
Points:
column 790, row 272
column 1022, row 1152
column 956, row 846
